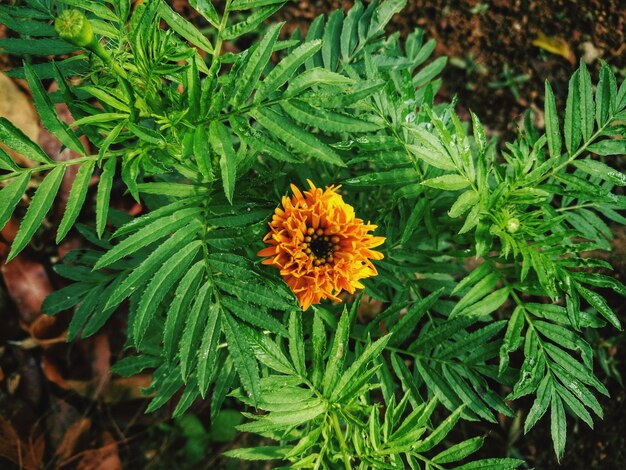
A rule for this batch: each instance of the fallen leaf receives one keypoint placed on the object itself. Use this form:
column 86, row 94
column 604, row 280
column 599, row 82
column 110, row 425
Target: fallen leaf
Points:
column 74, row 432
column 46, row 331
column 15, row 106
column 28, row 285
column 555, row 45
column 27, row 455
column 105, row 458
column 590, row 52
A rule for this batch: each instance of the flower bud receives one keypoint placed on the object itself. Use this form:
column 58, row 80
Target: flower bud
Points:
column 512, row 225
column 74, row 27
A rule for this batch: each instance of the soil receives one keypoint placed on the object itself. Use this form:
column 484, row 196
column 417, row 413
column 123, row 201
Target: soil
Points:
column 59, row 399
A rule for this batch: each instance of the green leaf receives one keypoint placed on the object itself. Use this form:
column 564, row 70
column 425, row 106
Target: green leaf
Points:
column 372, row 180
column 48, row 114
column 438, row 334
column 599, row 303
column 573, row 118
column 222, row 143
column 605, row 95
column 37, row 210
column 558, row 426
column 447, row 182
column 540, row 405
column 286, row 68
column 184, row 27
column 358, row 366
column 553, row 129
column 439, row 433
column 250, row 4
column 159, row 286
column 464, row 202
column 104, row 195
column 512, row 337
column 7, row 163
column 186, row 291
column 258, row 453
column 315, row 77
column 194, row 325
column 608, row 147
column 259, row 58
column 242, row 356
column 15, row 139
column 492, row 464
column 298, row 138
column 151, row 233
column 405, row 326
column 36, row 47
column 253, row 315
column 251, row 22
column 601, row 170
column 430, row 71
column 337, row 355
column 587, row 112
column 459, row 451
column 206, row 9
column 323, row 119
column 296, row 342
column 207, row 355
column 76, row 199
column 10, row 195
column 140, row 275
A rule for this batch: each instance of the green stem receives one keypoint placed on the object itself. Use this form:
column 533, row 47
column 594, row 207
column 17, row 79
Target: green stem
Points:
column 342, row 442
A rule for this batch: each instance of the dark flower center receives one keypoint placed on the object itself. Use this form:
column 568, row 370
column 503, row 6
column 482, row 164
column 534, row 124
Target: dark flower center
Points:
column 319, row 246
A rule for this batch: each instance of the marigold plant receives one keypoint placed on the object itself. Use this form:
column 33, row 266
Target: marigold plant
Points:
column 484, row 273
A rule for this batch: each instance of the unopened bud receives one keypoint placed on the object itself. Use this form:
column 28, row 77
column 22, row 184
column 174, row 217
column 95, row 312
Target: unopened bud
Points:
column 74, row 27
column 512, row 225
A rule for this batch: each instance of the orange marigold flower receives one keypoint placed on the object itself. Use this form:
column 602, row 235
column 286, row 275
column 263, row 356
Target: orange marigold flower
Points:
column 319, row 245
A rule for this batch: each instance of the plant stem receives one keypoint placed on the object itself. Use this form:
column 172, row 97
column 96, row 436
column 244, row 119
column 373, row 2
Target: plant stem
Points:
column 344, row 448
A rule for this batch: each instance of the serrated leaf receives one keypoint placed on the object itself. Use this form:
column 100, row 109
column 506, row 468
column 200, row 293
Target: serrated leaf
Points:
column 540, row 405
column 207, row 355
column 298, row 138
column 253, row 315
column 358, row 366
column 242, row 356
column 103, row 195
column 463, row 203
column 141, row 274
column 194, row 325
column 447, row 182
column 405, row 326
column 10, row 195
column 159, row 286
column 573, row 118
column 459, row 451
column 608, row 147
column 254, row 66
column 558, row 426
column 600, row 304
column 439, row 433
column 586, row 104
column 15, row 139
column 251, row 22
column 436, row 335
column 601, row 170
column 48, row 114
column 206, row 9
column 296, row 342
column 148, row 234
column 326, row 120
column 176, row 314
column 36, row 47
column 553, row 129
column 286, row 68
column 222, row 143
column 76, row 199
column 37, row 210
column 184, row 27
column 337, row 355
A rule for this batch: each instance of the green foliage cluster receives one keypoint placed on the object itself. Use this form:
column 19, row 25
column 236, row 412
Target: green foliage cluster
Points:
column 209, row 142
